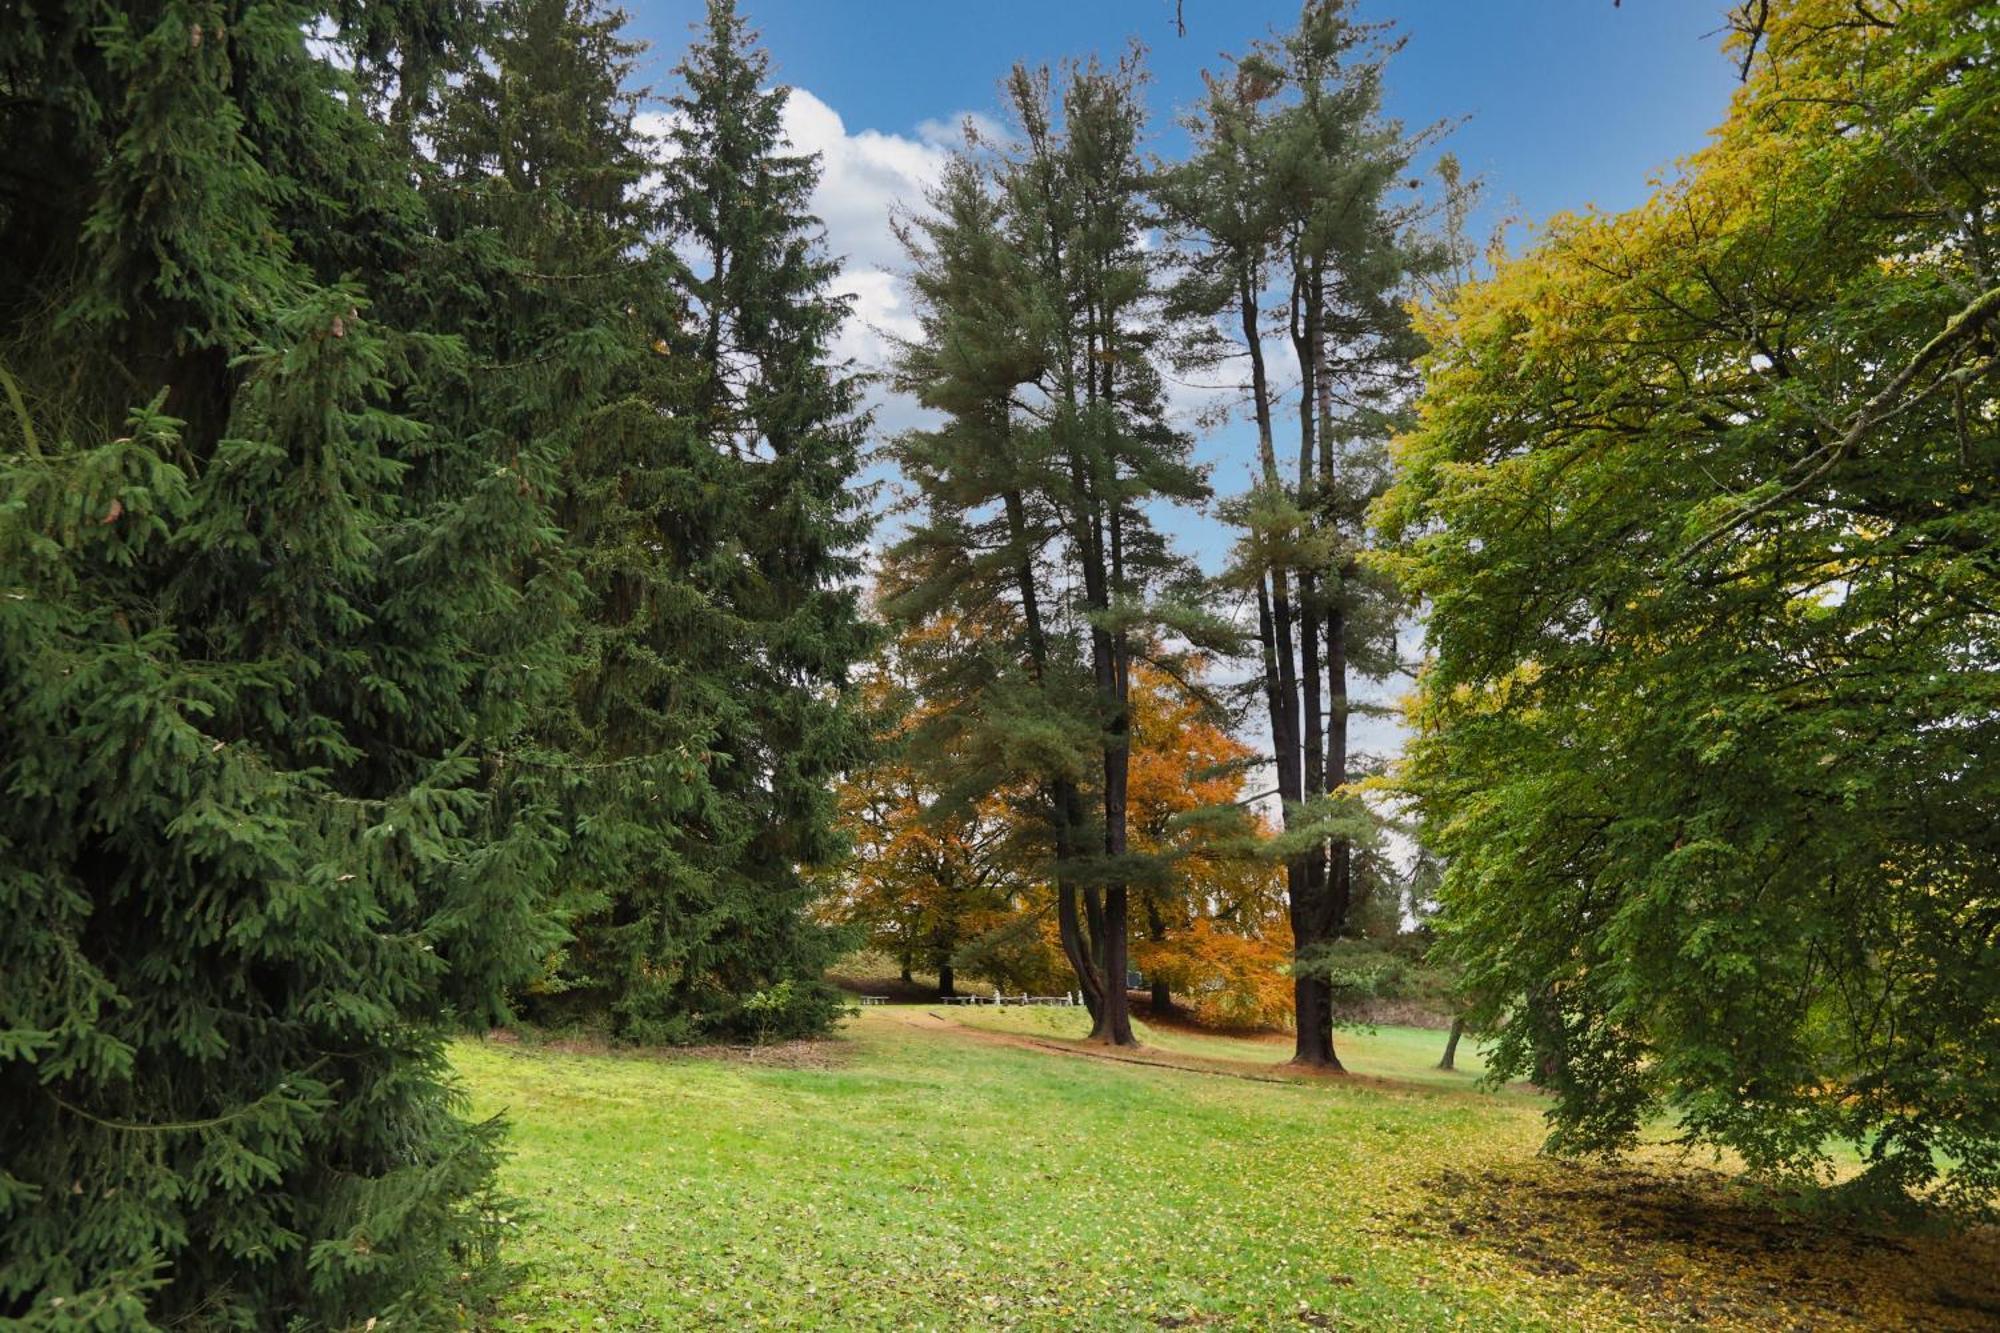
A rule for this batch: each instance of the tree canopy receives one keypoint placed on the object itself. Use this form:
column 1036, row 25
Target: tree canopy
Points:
column 1702, row 501
column 409, row 607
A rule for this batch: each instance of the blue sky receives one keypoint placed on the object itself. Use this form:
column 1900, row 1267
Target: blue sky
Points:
column 1558, row 104
column 1570, row 102
column 1564, row 104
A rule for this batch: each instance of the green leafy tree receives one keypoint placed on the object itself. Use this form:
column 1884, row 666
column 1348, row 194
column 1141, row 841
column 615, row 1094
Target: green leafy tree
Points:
column 1703, row 500
column 263, row 636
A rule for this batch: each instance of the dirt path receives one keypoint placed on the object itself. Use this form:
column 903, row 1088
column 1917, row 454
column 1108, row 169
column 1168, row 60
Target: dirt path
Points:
column 1250, row 1071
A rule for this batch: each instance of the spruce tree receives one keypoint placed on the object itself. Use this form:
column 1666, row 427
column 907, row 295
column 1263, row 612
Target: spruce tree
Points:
column 562, row 282
column 786, row 423
column 261, row 642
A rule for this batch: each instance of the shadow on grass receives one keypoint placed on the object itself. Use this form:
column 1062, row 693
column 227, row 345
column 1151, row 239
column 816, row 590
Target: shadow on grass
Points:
column 1692, row 1245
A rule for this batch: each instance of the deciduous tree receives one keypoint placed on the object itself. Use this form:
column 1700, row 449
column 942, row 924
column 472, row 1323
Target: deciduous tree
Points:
column 1703, row 499
column 930, row 873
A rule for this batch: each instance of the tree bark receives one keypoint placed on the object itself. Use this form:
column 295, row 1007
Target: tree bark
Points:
column 1313, row 1048
column 1551, row 1053
column 1314, row 918
column 1156, row 931
column 1064, row 799
column 1449, row 1061
column 1114, row 1025
column 1077, row 950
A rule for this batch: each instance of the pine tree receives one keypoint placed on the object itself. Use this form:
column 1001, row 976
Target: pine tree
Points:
column 1289, row 188
column 1041, row 346
column 261, row 643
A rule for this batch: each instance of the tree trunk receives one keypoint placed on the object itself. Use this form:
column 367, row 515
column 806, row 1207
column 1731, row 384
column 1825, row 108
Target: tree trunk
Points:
column 1551, row 1054
column 945, row 979
column 1063, row 796
column 1321, row 762
column 1156, row 931
column 1312, row 997
column 1077, row 948
column 1114, row 1024
column 1449, row 1061
column 1313, row 1049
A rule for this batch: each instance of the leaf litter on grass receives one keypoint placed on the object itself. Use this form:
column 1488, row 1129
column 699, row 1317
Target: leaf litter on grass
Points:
column 1692, row 1246
column 938, row 1179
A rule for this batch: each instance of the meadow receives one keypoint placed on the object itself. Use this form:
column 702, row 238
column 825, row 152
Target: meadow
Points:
column 934, row 1168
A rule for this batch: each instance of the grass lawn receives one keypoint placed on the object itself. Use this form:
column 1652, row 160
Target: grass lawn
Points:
column 956, row 1169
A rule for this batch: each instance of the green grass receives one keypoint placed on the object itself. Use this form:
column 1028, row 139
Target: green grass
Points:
column 913, row 1174
column 1408, row 1055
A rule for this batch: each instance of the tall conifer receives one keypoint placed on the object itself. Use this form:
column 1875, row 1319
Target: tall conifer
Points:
column 259, row 648
column 787, row 419
column 1041, row 344
column 561, row 279
column 1287, row 200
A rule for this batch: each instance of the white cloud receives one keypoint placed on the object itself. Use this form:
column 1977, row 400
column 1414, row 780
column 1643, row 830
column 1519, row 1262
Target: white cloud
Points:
column 866, row 177
column 949, row 132
column 862, row 177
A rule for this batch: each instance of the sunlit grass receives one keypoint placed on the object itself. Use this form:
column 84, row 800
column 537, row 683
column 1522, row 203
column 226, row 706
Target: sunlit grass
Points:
column 914, row 1174
column 1400, row 1053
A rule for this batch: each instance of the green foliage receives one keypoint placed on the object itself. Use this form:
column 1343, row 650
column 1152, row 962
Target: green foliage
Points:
column 1354, row 970
column 262, row 636
column 706, row 524
column 400, row 601
column 1290, row 202
column 767, row 534
column 1041, row 347
column 1703, row 499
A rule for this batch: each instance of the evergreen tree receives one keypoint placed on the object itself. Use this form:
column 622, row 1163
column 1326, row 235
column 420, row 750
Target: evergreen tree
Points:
column 560, row 280
column 1041, row 345
column 1289, row 187
column 262, row 640
column 787, row 421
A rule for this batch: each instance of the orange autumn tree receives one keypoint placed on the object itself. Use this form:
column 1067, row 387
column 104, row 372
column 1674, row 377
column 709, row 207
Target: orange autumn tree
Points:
column 959, row 886
column 928, row 874
column 1213, row 929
